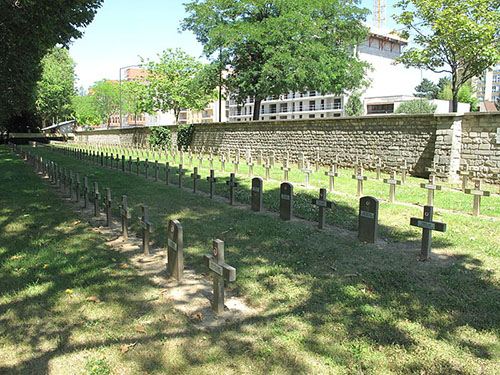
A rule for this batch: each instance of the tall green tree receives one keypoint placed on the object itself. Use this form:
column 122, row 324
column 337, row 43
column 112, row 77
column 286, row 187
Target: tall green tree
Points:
column 28, row 29
column 427, row 89
column 134, row 98
column 458, row 37
column 273, row 47
column 175, row 82
column 107, row 99
column 85, row 110
column 465, row 94
column 55, row 89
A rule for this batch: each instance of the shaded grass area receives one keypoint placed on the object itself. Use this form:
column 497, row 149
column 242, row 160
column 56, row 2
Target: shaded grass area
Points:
column 331, row 305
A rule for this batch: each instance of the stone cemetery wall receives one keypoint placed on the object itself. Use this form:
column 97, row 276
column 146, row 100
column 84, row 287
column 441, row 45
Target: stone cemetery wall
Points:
column 447, row 139
column 480, row 144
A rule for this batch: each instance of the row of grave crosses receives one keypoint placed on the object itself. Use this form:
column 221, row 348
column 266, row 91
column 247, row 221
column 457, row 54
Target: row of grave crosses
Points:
column 431, row 186
column 175, row 258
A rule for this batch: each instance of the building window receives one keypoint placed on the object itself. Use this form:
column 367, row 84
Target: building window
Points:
column 337, row 103
column 312, row 116
column 300, row 107
column 322, row 104
column 312, row 105
column 283, row 117
column 312, row 93
column 272, row 108
column 380, row 108
column 283, row 107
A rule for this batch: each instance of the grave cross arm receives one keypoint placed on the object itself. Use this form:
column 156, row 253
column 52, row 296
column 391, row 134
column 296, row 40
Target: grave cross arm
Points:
column 427, row 226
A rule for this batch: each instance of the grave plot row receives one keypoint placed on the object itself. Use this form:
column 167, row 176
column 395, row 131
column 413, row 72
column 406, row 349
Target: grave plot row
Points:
column 113, row 161
column 214, row 261
column 367, row 217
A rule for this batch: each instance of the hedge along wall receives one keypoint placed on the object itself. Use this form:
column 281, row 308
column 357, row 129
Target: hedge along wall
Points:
column 417, row 139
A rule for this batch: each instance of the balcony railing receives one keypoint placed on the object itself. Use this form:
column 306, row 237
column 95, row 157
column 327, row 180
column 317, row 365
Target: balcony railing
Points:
column 305, row 108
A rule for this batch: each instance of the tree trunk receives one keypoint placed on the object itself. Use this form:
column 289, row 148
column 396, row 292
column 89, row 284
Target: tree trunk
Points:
column 256, row 109
column 454, row 93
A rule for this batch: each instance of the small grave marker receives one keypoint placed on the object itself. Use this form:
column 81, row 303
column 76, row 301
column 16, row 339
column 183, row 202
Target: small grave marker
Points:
column 286, row 201
column 210, row 160
column 200, row 159
column 126, row 215
column 236, row 160
column 138, row 166
column 195, row 177
column 477, row 193
column 358, row 176
column 332, row 173
column 368, row 219
column 221, row 271
column 232, row 188
column 147, row 227
column 432, row 171
column 212, row 180
column 285, row 168
column 190, row 157
column 130, row 164
column 175, row 254
column 307, row 170
column 156, row 170
column 108, row 204
column 181, row 172
column 222, row 160
column 267, row 166
column 392, row 186
column 146, row 168
column 378, row 169
column 431, row 187
column 428, row 226
column 465, row 174
column 168, row 170
column 97, row 196
column 404, row 170
column 123, row 163
column 322, row 203
column 250, row 166
column 77, row 188
column 257, row 193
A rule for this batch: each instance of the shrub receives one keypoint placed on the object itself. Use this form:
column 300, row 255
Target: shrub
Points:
column 160, row 137
column 416, row 106
column 184, row 136
column 354, row 106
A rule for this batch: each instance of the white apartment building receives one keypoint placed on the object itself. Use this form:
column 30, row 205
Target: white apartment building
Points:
column 488, row 85
column 386, row 81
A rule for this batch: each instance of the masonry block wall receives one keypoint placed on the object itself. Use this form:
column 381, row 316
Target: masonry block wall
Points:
column 448, row 139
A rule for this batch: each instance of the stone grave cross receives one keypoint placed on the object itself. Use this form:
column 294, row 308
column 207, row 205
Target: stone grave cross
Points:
column 190, row 157
column 322, row 203
column 146, row 168
column 250, row 165
column 130, row 164
column 267, row 166
column 360, row 178
column 465, row 174
column 168, row 170
column 432, row 170
column 232, row 188
column 147, row 227
column 181, row 172
column 285, row 168
column 97, row 196
column 108, row 202
column 126, row 215
column 138, row 166
column 195, row 177
column 431, row 187
column 156, row 170
column 308, row 171
column 175, row 253
column 428, row 226
column 404, row 170
column 77, row 188
column 236, row 160
column 212, row 180
column 477, row 193
column 332, row 173
column 392, row 186
column 222, row 160
column 378, row 169
column 221, row 271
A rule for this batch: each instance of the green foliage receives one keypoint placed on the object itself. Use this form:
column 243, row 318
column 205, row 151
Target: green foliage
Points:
column 160, row 136
column 184, row 136
column 174, row 83
column 457, row 37
column 464, row 95
column 427, row 89
column 270, row 48
column 134, row 98
column 28, row 29
column 416, row 106
column 56, row 86
column 85, row 109
column 354, row 106
column 107, row 99
column 97, row 367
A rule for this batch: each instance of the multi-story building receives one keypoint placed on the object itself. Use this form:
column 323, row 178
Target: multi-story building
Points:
column 386, row 81
column 488, row 85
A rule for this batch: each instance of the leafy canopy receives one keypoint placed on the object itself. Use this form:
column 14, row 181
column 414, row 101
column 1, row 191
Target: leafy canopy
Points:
column 107, row 99
column 85, row 109
column 354, row 106
column 55, row 89
column 28, row 29
column 273, row 47
column 175, row 83
column 459, row 37
column 427, row 89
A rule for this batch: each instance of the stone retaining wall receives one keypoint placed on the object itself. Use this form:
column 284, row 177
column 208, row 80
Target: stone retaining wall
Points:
column 448, row 139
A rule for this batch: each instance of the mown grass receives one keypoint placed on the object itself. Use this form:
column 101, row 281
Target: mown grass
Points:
column 330, row 305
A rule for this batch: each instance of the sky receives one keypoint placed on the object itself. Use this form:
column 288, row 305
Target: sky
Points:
column 123, row 30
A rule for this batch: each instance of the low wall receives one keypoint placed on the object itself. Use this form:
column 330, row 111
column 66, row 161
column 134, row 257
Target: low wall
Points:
column 449, row 140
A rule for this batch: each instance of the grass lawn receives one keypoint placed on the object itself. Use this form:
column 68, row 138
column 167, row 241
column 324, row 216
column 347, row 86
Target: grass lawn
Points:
column 330, row 305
